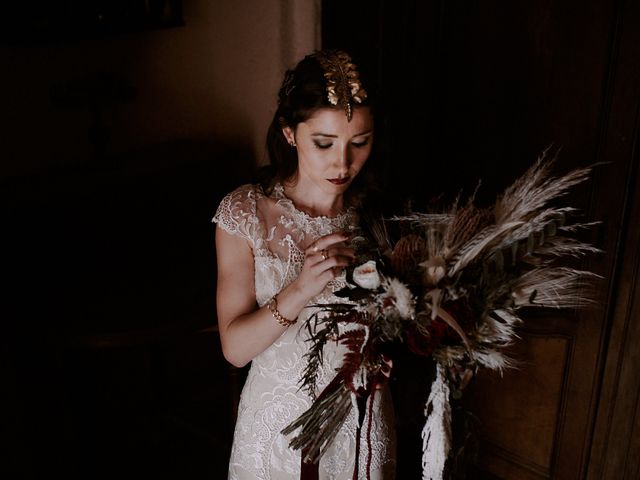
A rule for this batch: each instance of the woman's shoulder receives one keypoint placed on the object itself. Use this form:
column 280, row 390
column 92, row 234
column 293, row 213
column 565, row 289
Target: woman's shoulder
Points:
column 243, row 197
column 237, row 209
column 245, row 191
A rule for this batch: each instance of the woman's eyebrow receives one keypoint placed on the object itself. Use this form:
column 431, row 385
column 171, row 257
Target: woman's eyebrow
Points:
column 329, row 135
column 320, row 134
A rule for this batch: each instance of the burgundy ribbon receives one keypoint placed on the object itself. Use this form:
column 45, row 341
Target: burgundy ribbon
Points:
column 308, row 470
column 365, row 398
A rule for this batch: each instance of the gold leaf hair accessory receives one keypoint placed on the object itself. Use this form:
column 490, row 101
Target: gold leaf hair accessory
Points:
column 343, row 80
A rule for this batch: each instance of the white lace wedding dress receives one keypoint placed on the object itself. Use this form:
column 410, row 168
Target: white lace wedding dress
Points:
column 279, row 233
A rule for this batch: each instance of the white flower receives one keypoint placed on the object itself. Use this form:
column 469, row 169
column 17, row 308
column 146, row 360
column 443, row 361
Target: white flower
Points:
column 367, row 276
column 401, row 296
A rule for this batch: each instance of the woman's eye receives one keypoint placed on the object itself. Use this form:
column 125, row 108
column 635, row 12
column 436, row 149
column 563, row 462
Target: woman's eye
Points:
column 323, row 145
column 361, row 143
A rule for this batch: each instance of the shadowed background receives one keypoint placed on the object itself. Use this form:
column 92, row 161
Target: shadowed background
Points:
column 126, row 122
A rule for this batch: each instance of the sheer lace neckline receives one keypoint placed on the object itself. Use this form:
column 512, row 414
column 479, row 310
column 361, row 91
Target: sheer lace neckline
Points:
column 282, row 199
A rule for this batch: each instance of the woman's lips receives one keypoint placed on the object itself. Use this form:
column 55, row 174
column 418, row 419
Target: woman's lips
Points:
column 339, row 181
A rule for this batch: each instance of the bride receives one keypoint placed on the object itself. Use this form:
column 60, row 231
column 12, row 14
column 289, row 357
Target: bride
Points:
column 282, row 246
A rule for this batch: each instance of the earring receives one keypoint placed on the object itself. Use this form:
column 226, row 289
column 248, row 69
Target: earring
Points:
column 293, row 143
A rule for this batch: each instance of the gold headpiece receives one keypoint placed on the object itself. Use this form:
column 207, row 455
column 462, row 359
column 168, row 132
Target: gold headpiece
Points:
column 343, row 82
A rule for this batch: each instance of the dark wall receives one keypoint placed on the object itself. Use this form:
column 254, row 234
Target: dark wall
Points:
column 110, row 364
column 476, row 91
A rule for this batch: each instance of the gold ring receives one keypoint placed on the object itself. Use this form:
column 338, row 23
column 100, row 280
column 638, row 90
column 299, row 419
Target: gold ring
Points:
column 325, row 255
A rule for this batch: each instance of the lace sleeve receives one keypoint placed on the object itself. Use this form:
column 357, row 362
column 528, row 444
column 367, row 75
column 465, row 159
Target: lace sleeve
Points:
column 236, row 213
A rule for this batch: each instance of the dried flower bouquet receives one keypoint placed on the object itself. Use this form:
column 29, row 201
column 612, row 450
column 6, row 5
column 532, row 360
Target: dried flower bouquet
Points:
column 451, row 285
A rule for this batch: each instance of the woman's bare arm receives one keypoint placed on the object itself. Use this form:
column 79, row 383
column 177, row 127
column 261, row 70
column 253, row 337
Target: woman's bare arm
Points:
column 246, row 330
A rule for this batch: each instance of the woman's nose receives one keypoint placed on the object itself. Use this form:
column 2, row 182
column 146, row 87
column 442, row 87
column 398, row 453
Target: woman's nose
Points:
column 343, row 159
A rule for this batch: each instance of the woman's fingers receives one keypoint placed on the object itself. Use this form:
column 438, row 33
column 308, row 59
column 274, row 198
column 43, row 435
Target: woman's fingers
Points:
column 325, row 242
column 332, row 257
column 335, row 261
column 341, row 251
column 325, row 259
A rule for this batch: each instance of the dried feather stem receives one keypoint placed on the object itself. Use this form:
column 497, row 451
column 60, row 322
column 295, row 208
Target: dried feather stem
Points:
column 534, row 190
column 320, row 423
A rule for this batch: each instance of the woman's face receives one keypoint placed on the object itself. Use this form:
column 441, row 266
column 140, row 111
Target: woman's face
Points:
column 332, row 150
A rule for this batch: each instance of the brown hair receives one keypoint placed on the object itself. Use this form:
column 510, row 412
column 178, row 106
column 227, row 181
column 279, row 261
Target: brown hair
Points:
column 303, row 91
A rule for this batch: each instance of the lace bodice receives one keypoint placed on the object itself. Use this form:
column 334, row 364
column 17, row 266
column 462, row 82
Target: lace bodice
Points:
column 278, row 234
column 277, row 231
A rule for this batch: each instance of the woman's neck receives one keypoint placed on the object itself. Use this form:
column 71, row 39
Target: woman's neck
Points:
column 314, row 201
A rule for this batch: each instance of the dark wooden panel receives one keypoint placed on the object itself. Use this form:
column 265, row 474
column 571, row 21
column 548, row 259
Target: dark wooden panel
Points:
column 503, row 463
column 616, row 447
column 519, row 411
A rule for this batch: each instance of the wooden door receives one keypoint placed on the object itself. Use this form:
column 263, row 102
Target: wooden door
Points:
column 477, row 90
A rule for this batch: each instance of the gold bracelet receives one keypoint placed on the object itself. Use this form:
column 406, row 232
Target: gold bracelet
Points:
column 273, row 308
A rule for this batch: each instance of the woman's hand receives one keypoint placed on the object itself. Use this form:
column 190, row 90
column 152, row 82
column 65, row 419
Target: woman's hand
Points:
column 324, row 260
column 246, row 330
